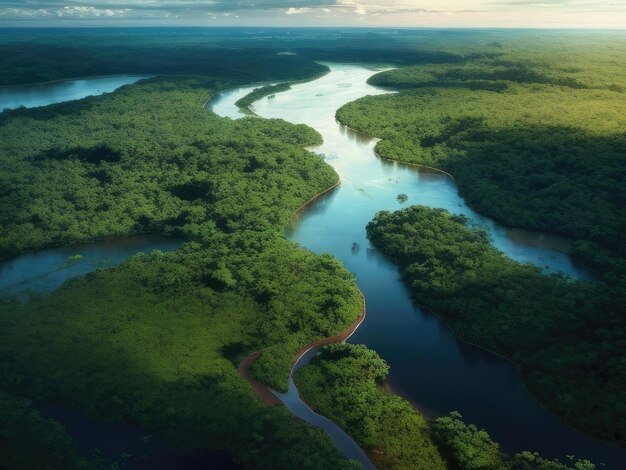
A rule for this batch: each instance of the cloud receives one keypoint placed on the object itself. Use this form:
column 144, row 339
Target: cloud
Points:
column 25, row 12
column 561, row 6
column 217, row 6
column 91, row 12
column 316, row 12
column 297, row 11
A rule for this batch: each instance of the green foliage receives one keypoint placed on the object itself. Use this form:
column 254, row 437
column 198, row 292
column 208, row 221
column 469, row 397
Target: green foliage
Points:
column 146, row 343
column 157, row 340
column 544, row 158
column 262, row 92
column 511, row 308
column 467, row 447
column 534, row 137
column 46, row 59
column 494, row 74
column 532, row 461
column 247, row 55
column 148, row 158
column 343, row 383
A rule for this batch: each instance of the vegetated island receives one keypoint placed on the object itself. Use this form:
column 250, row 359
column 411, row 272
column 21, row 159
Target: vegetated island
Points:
column 510, row 308
column 261, row 92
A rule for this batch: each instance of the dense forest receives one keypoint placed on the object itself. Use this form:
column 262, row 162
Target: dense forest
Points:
column 239, row 53
column 511, row 308
column 157, row 340
column 509, row 131
column 344, row 383
column 148, row 159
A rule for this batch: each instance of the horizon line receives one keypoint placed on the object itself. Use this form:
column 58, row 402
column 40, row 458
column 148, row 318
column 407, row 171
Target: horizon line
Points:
column 144, row 26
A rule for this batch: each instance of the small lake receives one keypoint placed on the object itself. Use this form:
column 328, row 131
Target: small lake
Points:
column 429, row 367
column 31, row 96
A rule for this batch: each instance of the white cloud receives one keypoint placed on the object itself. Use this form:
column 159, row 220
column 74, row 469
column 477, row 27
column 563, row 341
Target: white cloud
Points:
column 24, row 13
column 297, row 11
column 91, row 12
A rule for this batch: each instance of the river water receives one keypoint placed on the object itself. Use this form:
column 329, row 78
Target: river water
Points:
column 429, row 367
column 45, row 270
column 31, row 96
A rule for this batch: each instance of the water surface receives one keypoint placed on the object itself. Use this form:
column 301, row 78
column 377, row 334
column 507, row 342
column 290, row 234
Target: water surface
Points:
column 429, row 366
column 46, row 270
column 31, row 96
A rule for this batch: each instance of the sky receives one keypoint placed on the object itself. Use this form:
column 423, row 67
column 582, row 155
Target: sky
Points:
column 377, row 13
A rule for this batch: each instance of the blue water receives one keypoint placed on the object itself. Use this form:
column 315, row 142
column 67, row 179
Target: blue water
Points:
column 46, row 270
column 31, row 96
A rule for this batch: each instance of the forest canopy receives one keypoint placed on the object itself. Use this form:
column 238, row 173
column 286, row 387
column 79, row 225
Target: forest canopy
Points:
column 157, row 340
column 534, row 136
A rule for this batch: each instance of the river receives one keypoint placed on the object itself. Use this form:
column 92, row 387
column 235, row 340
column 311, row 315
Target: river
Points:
column 429, row 367
column 45, row 270
column 31, row 96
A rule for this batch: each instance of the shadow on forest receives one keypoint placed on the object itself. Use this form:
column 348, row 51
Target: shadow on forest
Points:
column 572, row 178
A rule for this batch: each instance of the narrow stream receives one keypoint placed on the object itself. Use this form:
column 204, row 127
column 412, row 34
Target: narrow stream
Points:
column 429, row 366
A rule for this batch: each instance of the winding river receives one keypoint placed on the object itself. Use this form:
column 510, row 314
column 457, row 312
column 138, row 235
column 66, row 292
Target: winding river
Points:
column 429, row 367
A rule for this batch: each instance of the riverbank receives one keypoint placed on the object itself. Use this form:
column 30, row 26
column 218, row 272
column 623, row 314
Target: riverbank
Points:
column 428, row 365
column 266, row 394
